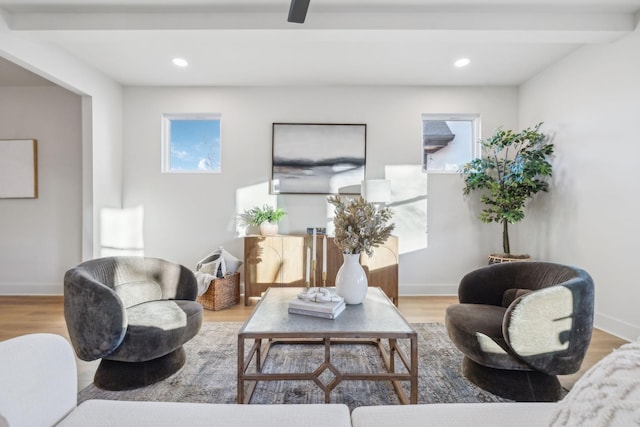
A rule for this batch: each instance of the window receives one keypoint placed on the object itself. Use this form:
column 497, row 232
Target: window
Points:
column 191, row 143
column 449, row 141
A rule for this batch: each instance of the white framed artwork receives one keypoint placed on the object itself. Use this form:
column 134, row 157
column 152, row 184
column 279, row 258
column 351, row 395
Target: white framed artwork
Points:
column 18, row 169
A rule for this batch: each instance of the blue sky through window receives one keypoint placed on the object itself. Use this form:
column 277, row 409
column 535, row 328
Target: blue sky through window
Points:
column 195, row 145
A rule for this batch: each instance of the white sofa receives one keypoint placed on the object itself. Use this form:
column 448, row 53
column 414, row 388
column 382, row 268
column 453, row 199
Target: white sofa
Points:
column 38, row 383
column 38, row 387
column 607, row 395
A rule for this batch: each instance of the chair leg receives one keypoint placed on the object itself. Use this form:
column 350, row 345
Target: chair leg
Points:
column 115, row 375
column 521, row 386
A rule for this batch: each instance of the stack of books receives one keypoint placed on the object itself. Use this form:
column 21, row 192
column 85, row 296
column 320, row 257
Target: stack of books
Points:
column 326, row 309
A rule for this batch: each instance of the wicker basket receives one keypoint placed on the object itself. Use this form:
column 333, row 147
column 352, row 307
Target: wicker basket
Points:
column 223, row 292
column 500, row 258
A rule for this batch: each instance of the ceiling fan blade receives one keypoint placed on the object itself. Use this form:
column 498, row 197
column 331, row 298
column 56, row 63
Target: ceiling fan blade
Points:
column 298, row 11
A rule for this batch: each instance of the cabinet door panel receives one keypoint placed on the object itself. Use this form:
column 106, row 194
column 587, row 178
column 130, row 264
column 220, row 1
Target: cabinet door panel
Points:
column 294, row 256
column 263, row 264
column 382, row 267
column 267, row 264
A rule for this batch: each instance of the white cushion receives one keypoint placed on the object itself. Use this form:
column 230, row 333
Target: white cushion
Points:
column 38, row 380
column 454, row 415
column 107, row 413
column 608, row 394
column 132, row 293
column 165, row 314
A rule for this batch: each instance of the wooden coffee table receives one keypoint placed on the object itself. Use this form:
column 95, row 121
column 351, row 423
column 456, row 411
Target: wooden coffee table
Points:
column 375, row 322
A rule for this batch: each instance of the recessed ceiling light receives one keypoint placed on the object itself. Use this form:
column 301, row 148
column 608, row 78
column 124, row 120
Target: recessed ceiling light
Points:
column 180, row 62
column 462, row 62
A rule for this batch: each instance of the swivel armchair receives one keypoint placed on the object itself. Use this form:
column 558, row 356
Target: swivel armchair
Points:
column 519, row 324
column 133, row 312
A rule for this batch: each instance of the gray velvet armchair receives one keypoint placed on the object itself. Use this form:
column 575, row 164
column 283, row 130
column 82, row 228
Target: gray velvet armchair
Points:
column 520, row 324
column 133, row 312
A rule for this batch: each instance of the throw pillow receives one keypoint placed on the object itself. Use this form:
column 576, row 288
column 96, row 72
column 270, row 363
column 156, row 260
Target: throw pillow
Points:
column 608, row 394
column 213, row 264
column 233, row 263
column 230, row 266
column 216, row 267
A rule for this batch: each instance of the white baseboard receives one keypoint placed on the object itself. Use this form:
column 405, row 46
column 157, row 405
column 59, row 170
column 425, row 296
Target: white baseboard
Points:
column 408, row 289
column 617, row 327
column 31, row 289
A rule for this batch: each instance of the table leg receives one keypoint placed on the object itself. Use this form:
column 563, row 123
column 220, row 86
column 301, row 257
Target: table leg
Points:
column 258, row 342
column 414, row 370
column 392, row 354
column 327, row 360
column 240, row 370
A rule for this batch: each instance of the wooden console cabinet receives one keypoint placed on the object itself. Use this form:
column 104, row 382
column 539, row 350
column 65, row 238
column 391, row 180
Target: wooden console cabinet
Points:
column 281, row 261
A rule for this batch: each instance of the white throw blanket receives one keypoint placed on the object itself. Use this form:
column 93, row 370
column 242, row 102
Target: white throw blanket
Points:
column 204, row 279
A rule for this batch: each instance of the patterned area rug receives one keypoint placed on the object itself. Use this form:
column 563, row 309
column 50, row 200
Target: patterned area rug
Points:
column 210, row 373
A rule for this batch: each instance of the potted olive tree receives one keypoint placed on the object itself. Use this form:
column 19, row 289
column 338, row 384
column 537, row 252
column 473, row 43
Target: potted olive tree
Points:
column 512, row 169
column 266, row 217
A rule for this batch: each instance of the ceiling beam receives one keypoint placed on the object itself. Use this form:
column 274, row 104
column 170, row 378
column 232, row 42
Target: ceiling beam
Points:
column 273, row 20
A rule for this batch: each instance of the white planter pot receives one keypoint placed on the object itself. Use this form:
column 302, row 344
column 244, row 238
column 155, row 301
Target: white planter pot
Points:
column 268, row 228
column 351, row 280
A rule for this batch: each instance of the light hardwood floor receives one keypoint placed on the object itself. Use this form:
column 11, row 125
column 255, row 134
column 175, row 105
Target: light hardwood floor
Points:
column 21, row 315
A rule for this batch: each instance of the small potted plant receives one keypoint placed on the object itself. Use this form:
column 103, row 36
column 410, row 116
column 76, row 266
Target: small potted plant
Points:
column 266, row 217
column 513, row 168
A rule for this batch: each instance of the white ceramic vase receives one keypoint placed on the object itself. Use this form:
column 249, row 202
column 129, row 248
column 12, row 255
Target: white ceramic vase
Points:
column 268, row 228
column 351, row 280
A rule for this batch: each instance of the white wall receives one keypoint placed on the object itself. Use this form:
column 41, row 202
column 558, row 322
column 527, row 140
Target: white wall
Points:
column 188, row 215
column 591, row 101
column 41, row 238
column 101, row 123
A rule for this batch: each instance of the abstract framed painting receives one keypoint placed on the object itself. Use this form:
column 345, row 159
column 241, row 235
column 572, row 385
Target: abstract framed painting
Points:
column 318, row 158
